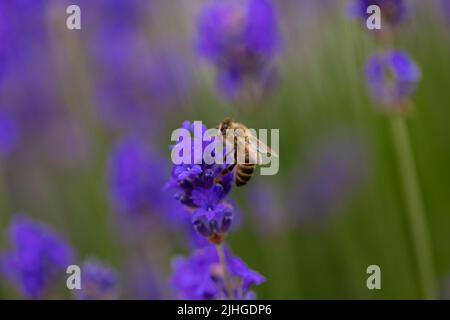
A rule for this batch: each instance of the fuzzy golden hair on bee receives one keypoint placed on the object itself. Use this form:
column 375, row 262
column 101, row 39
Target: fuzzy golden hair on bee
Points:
column 241, row 139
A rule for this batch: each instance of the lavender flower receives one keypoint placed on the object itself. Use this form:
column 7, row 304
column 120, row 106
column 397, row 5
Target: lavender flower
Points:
column 27, row 16
column 38, row 259
column 9, row 133
column 201, row 276
column 137, row 80
column 241, row 38
column 132, row 93
column 392, row 77
column 32, row 91
column 445, row 8
column 135, row 177
column 392, row 11
column 97, row 282
column 202, row 188
column 4, row 43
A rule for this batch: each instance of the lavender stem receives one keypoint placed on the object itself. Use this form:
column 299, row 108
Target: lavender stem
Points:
column 414, row 205
column 223, row 263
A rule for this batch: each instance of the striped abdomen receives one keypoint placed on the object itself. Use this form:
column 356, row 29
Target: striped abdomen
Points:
column 243, row 173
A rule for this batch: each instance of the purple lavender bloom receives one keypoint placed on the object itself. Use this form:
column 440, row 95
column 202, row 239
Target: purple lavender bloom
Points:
column 213, row 221
column 201, row 276
column 392, row 77
column 392, row 11
column 137, row 81
column 38, row 259
column 27, row 17
column 138, row 86
column 445, row 8
column 202, row 188
column 205, row 177
column 33, row 87
column 4, row 42
column 9, row 133
column 241, row 38
column 97, row 282
column 136, row 175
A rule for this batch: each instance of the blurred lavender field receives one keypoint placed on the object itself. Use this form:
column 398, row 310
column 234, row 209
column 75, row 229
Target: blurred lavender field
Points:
column 86, row 177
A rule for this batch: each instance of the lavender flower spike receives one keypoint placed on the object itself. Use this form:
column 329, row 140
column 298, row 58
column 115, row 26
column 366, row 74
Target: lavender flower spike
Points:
column 392, row 11
column 135, row 176
column 202, row 277
column 38, row 259
column 392, row 77
column 202, row 189
column 240, row 38
column 97, row 282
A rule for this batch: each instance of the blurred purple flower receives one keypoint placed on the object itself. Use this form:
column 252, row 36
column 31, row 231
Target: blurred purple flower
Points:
column 241, row 38
column 392, row 11
column 24, row 21
column 445, row 8
column 33, row 87
column 97, row 282
column 9, row 133
column 202, row 189
column 338, row 168
column 392, row 77
column 135, row 175
column 118, row 14
column 201, row 276
column 144, row 281
column 137, row 80
column 4, row 42
column 139, row 86
column 38, row 259
column 24, row 50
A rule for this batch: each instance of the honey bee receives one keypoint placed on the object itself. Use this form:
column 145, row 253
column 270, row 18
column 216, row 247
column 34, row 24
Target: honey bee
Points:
column 242, row 139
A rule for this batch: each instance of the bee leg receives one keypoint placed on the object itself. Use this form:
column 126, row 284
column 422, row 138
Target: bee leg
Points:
column 228, row 169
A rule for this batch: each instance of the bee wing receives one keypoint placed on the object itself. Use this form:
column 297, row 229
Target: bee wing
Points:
column 229, row 146
column 248, row 141
column 244, row 142
column 261, row 147
column 254, row 146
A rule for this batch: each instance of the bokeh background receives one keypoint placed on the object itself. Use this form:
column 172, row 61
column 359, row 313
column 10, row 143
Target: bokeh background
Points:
column 72, row 100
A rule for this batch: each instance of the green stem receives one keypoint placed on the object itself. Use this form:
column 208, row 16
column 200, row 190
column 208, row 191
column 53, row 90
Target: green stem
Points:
column 414, row 205
column 226, row 274
column 4, row 196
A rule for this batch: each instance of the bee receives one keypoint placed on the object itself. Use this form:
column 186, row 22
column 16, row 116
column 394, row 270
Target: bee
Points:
column 242, row 139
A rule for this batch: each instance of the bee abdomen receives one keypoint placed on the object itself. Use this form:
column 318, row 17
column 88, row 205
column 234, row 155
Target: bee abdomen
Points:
column 244, row 173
